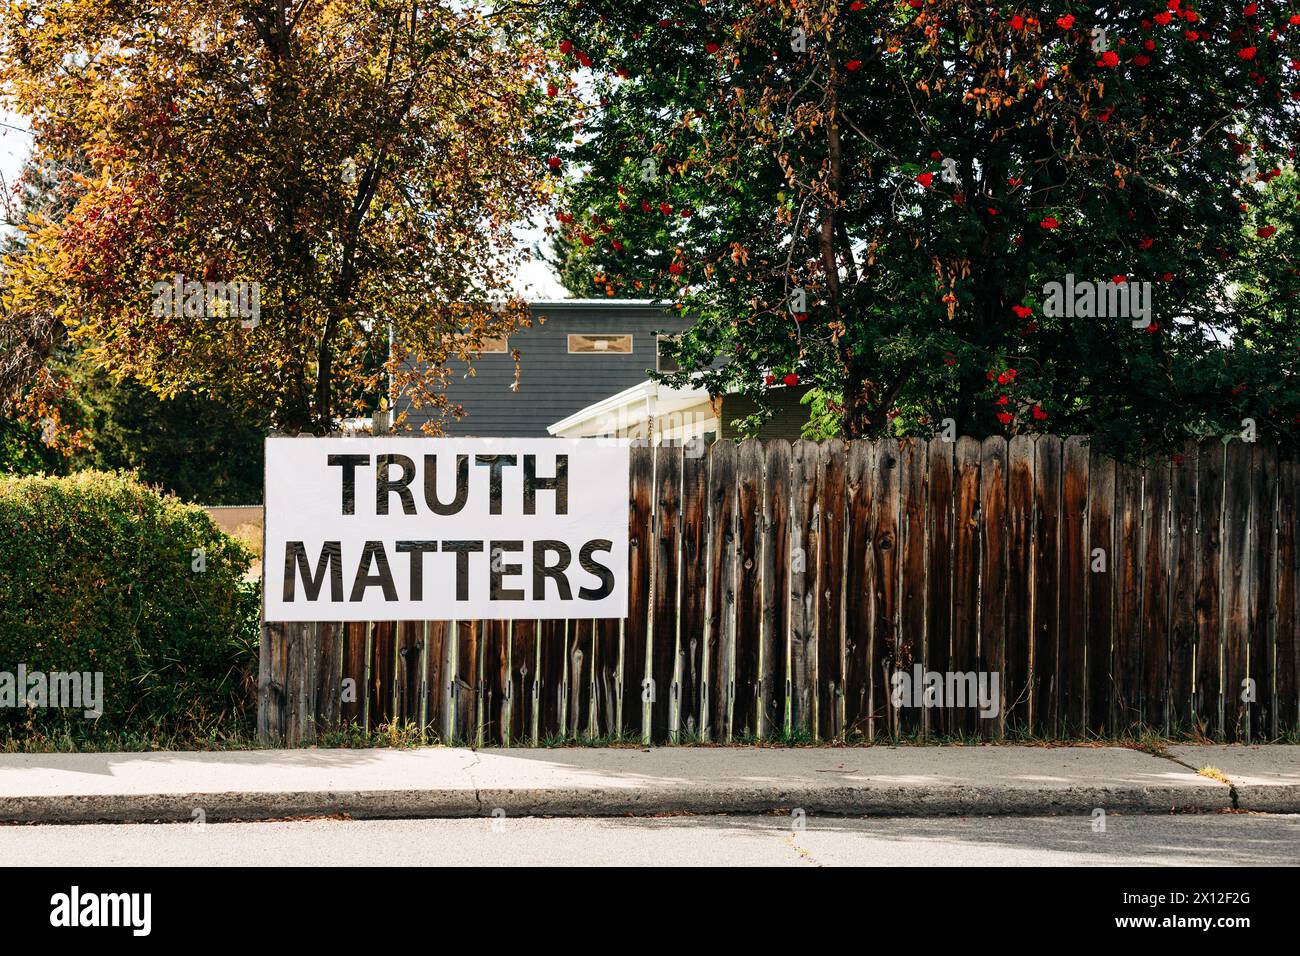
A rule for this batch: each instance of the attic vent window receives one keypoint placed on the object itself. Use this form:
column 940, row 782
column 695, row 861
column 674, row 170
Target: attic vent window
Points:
column 488, row 344
column 579, row 343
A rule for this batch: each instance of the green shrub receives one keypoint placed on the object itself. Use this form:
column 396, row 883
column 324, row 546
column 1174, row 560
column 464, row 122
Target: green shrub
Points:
column 98, row 572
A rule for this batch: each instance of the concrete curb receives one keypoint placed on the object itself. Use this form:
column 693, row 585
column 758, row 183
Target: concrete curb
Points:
column 1264, row 778
column 586, row 802
column 451, row 782
column 1272, row 799
column 417, row 804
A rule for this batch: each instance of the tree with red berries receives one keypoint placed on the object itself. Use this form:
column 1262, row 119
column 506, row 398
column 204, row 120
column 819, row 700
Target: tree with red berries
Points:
column 874, row 197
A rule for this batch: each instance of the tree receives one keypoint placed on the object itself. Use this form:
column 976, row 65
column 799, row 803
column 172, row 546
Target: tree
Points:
column 875, row 198
column 192, row 447
column 23, row 450
column 195, row 448
column 31, row 334
column 361, row 163
column 582, row 273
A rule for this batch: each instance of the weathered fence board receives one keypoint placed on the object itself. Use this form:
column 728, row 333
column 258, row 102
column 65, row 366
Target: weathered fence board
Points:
column 859, row 572
column 581, row 652
column 1287, row 658
column 409, row 687
column 773, row 662
column 663, row 649
column 913, row 455
column 552, row 679
column 885, row 566
column 993, row 564
column 775, row 589
column 1182, row 587
column 939, row 571
column 640, row 550
column 1045, row 699
column 1263, row 611
column 1126, row 660
column 965, row 635
column 804, row 476
column 353, row 693
column 720, row 618
column 383, row 672
column 1237, row 583
column 1209, row 576
column 1098, row 643
column 1020, row 577
column 1155, row 596
column 694, row 578
column 523, row 680
column 608, row 664
column 749, row 592
column 1072, row 600
column 469, row 683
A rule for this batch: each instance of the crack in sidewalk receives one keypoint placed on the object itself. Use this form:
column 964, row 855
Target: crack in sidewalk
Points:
column 469, row 772
column 1232, row 788
column 803, row 852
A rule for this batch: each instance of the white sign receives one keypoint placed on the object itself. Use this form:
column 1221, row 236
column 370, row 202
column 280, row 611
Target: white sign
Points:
column 426, row 529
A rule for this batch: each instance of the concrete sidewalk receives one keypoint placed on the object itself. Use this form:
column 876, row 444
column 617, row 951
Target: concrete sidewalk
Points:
column 454, row 782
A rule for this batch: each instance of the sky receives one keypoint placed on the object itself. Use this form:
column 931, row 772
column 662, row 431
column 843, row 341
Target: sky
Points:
column 536, row 281
column 15, row 144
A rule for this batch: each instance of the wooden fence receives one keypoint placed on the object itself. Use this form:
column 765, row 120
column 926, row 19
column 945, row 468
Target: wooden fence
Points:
column 775, row 586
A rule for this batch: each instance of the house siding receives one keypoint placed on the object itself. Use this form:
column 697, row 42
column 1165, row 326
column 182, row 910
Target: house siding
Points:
column 788, row 414
column 553, row 384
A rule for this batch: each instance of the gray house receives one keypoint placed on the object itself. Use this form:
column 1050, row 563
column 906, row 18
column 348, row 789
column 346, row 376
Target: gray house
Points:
column 585, row 351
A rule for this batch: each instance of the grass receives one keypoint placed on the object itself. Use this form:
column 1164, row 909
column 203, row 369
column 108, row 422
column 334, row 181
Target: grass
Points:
column 618, row 740
column 236, row 736
column 145, row 741
column 239, row 733
column 1214, row 773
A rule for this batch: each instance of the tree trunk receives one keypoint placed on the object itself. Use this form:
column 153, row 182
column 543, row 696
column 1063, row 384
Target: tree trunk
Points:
column 324, row 389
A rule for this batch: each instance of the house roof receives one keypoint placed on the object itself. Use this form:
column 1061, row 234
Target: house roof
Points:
column 606, row 303
column 633, row 402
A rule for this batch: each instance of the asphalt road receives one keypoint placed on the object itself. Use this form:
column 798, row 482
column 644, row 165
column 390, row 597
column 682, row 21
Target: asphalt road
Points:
column 1196, row 839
